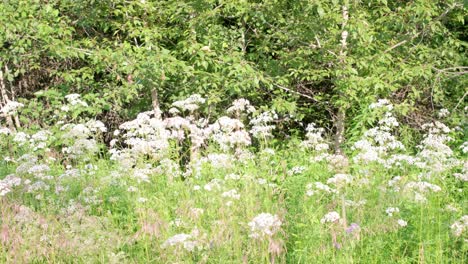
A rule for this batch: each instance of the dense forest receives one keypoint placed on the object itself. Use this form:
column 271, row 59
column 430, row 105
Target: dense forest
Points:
column 233, row 131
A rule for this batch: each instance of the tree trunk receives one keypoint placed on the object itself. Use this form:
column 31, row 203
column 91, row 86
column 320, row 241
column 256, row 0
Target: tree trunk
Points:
column 4, row 101
column 340, row 130
column 340, row 118
column 155, row 103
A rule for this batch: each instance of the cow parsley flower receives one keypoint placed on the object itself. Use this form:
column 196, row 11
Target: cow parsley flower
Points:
column 315, row 187
column 11, row 108
column 392, row 210
column 184, row 240
column 231, row 194
column 402, row 222
column 460, row 226
column 264, row 225
column 340, row 179
column 330, row 217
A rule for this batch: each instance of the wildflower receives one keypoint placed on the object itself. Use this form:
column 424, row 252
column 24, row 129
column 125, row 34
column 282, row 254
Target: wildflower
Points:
column 312, row 188
column 340, row 179
column 443, row 113
column 260, row 124
column 5, row 131
column 213, row 184
column 271, row 151
column 296, row 170
column 330, row 217
column 314, row 139
column 185, row 240
column 142, row 199
column 460, row 226
column 11, row 108
column 402, row 222
column 74, row 99
column 463, row 147
column 241, row 105
column 264, row 224
column 231, row 194
column 392, row 210
column 8, row 183
column 132, row 189
column 353, row 227
column 232, row 176
column 191, row 103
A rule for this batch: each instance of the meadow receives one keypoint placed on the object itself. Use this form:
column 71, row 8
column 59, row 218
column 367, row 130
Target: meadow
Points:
column 182, row 187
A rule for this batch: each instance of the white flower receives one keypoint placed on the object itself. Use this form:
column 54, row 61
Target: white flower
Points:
column 231, row 194
column 74, row 99
column 264, row 224
column 330, row 217
column 463, row 147
column 240, row 105
column 443, row 112
column 392, row 210
column 296, row 170
column 132, row 189
column 8, row 183
column 460, row 226
column 402, row 222
column 11, row 108
column 311, row 189
column 176, row 239
column 340, row 179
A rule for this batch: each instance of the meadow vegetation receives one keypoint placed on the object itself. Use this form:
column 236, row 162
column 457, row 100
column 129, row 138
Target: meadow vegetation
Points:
column 182, row 189
column 233, row 131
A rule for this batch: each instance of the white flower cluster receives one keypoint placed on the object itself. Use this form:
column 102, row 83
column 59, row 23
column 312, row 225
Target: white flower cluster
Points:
column 8, row 183
column 233, row 194
column 400, row 160
column 79, row 138
column 314, row 138
column 392, row 210
column 463, row 175
column 10, row 108
column 264, row 225
column 261, row 124
column 434, row 152
column 420, row 188
column 330, row 217
column 443, row 113
column 313, row 188
column 219, row 160
column 239, row 106
column 73, row 99
column 296, row 170
column 463, row 147
column 394, row 183
column 402, row 223
column 382, row 103
column 378, row 142
column 145, row 135
column 185, row 241
column 460, row 226
column 190, row 104
column 340, row 179
column 4, row 131
column 228, row 133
